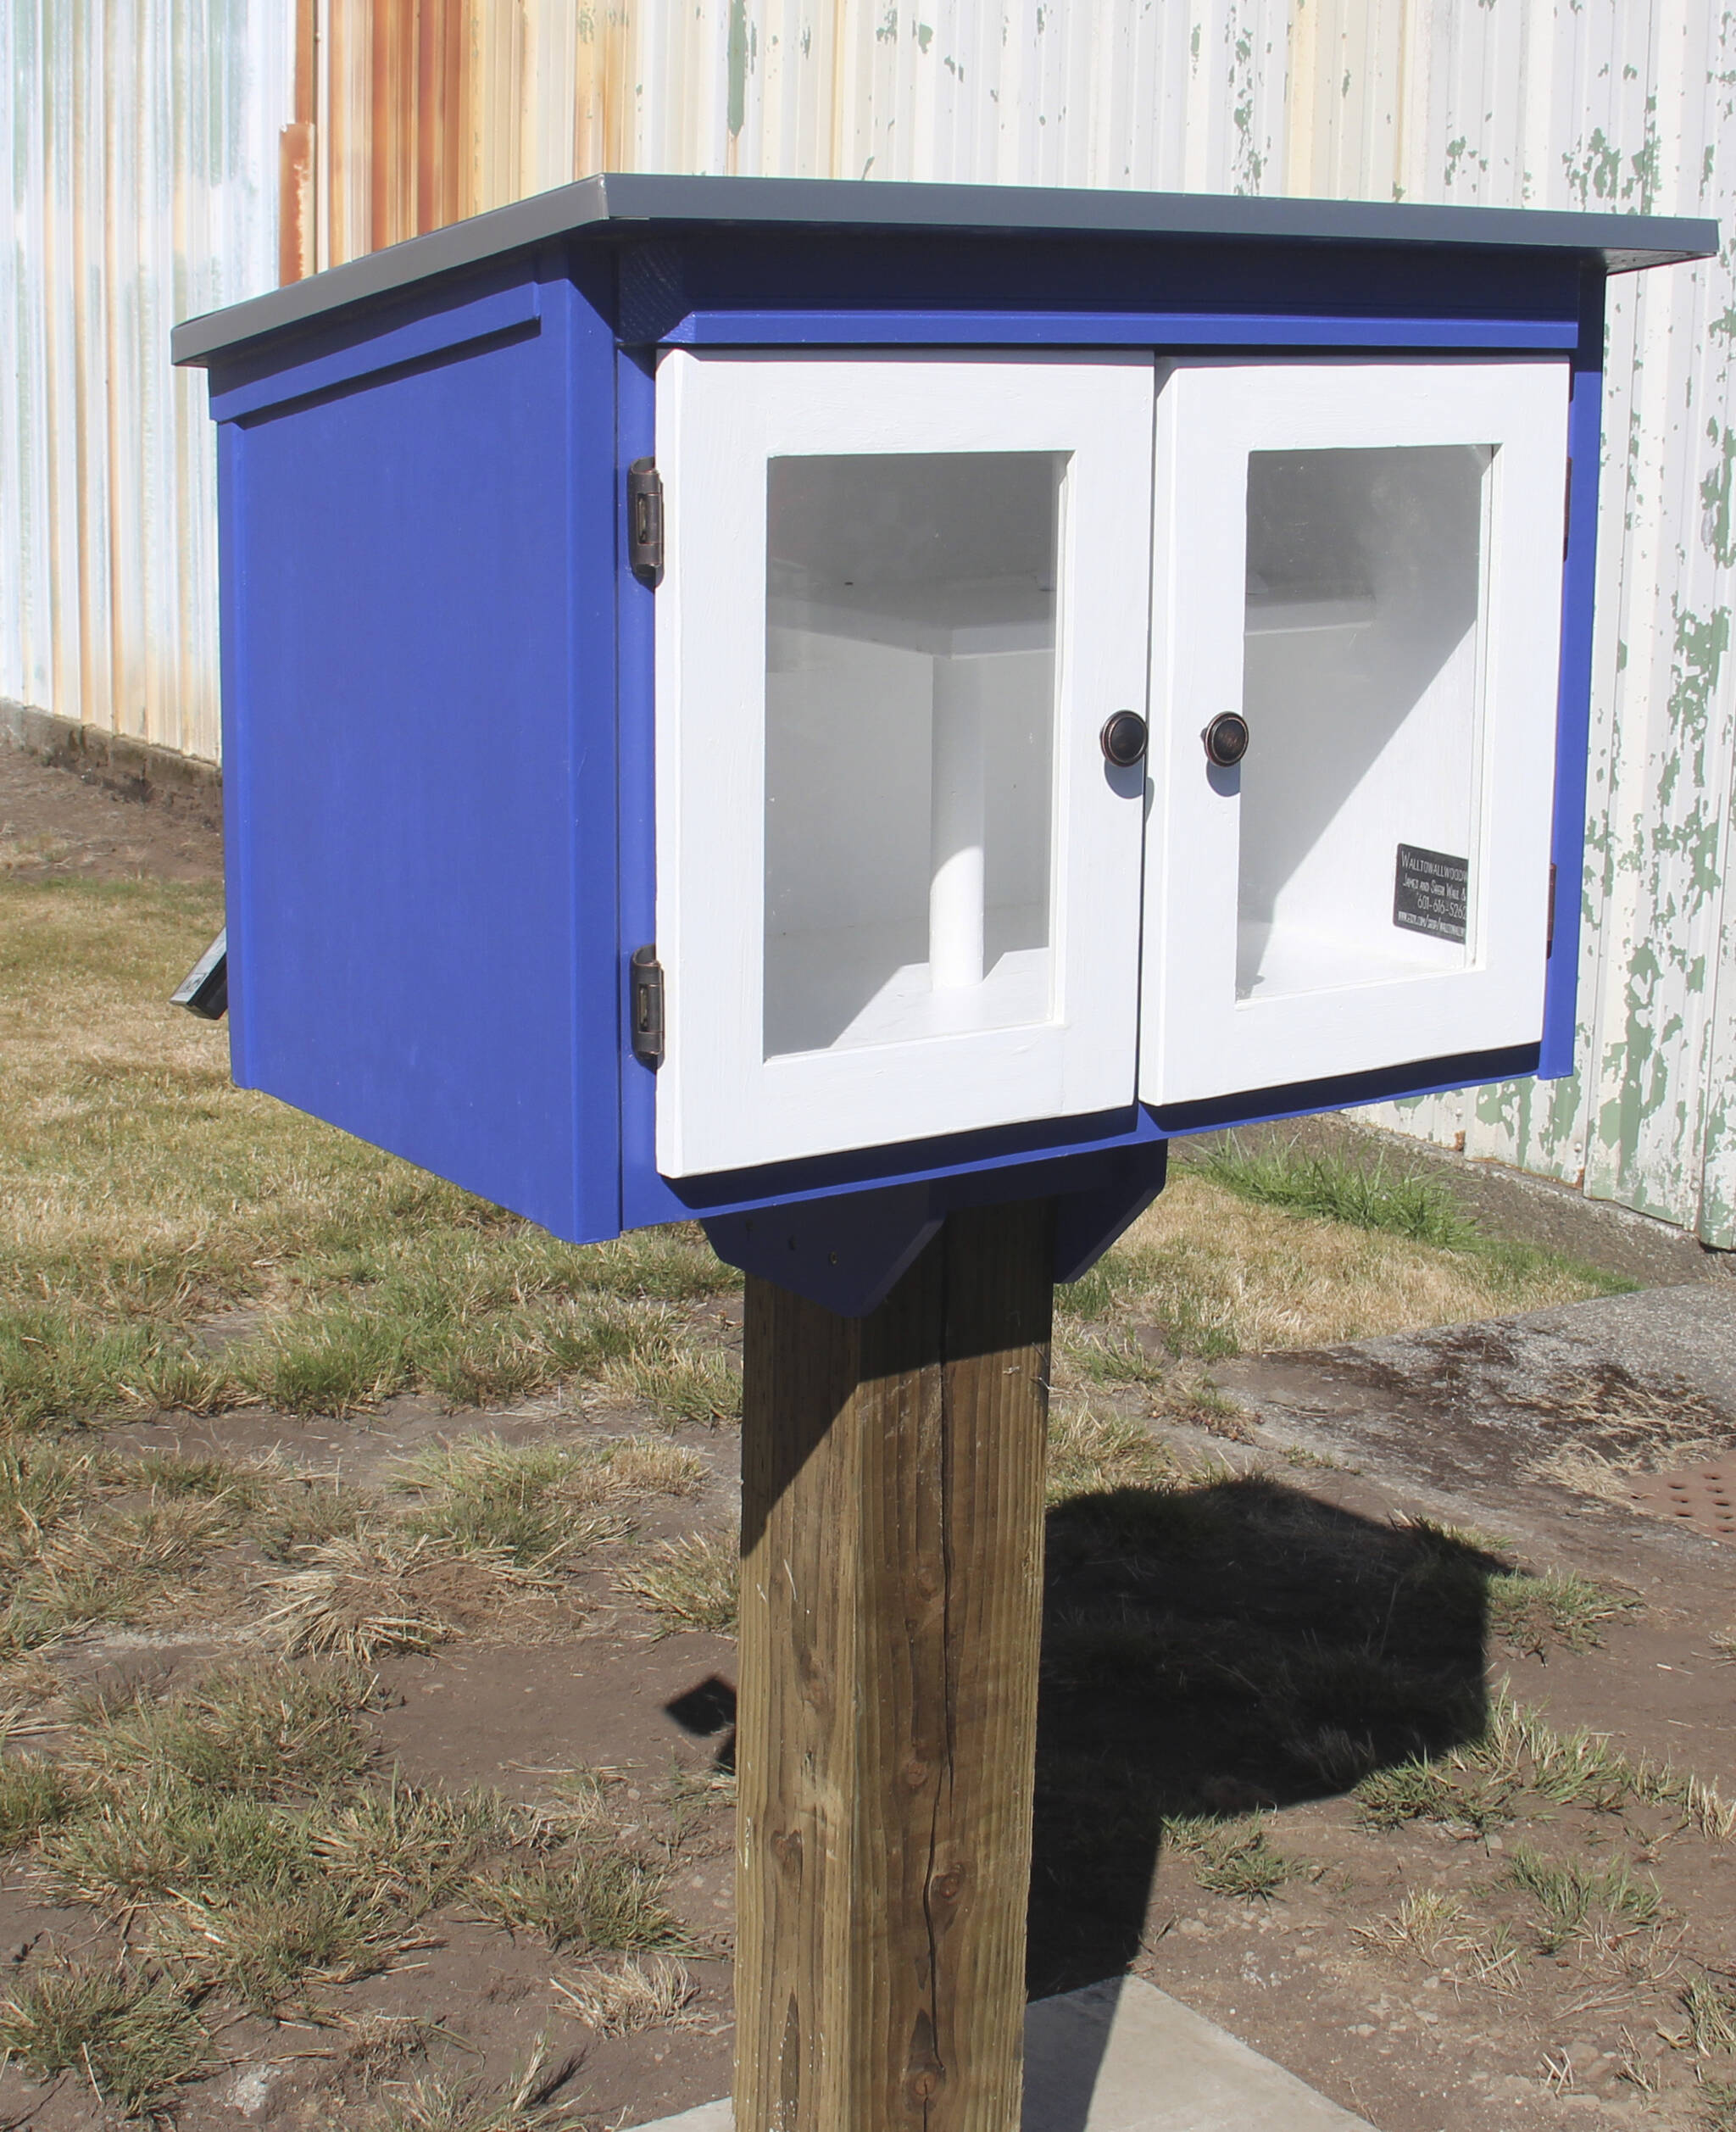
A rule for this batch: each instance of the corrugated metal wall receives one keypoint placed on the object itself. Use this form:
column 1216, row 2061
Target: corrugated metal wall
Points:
column 149, row 139
column 140, row 144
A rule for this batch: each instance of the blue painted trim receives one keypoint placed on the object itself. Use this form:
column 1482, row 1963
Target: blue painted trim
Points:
column 645, row 1196
column 1307, row 1098
column 298, row 373
column 1573, row 720
column 795, row 328
column 846, row 1251
column 997, row 1152
column 594, row 521
column 237, row 845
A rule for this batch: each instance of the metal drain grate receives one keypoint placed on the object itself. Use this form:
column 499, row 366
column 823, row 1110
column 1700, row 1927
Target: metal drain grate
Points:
column 1702, row 1496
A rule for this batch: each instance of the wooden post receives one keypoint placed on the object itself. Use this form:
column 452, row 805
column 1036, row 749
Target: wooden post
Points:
column 893, row 1496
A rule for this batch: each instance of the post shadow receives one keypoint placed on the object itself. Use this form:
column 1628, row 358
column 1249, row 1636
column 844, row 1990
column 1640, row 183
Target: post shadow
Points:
column 1213, row 1651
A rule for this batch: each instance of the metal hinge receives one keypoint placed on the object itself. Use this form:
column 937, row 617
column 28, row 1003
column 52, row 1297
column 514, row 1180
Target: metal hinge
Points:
column 1548, row 942
column 647, row 1007
column 1568, row 513
column 645, row 521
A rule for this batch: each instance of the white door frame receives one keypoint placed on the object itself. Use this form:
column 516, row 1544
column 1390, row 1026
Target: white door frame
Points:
column 721, row 1103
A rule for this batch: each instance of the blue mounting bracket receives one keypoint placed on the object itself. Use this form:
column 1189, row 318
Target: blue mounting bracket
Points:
column 846, row 1252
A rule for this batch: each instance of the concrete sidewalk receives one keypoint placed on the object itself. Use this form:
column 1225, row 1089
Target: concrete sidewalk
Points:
column 1123, row 2056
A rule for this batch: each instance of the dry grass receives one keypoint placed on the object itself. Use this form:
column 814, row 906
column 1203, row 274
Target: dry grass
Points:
column 1219, row 1273
column 1479, row 1787
column 141, row 1194
column 692, row 1584
column 682, row 1389
column 1090, row 1451
column 1426, row 1924
column 526, row 2104
column 631, row 1997
column 597, row 1898
column 1612, row 1425
column 377, row 1592
column 543, row 1504
column 275, row 1732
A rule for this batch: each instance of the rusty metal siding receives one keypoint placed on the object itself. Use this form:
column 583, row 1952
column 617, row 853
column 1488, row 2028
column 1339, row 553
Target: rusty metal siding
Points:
column 148, row 140
column 141, row 140
column 1619, row 105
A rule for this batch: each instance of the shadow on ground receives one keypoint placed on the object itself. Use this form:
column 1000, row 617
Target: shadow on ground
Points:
column 1208, row 1652
column 1211, row 1651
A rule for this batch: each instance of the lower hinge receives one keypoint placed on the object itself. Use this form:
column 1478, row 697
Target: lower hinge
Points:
column 646, row 1006
column 645, row 521
column 1548, row 943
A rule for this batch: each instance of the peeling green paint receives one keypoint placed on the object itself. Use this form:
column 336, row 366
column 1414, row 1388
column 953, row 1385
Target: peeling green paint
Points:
column 1597, row 169
column 924, row 36
column 1645, row 162
column 738, row 59
column 1714, row 527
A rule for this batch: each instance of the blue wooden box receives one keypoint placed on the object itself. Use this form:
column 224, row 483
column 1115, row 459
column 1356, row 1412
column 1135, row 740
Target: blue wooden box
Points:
column 438, row 661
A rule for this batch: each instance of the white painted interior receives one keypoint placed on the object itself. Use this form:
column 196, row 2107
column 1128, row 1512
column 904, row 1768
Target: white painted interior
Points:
column 910, row 681
column 899, row 888
column 1361, row 687
column 1364, row 559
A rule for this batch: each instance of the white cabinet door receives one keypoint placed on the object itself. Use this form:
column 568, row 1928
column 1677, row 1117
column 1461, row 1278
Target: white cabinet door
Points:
column 898, row 884
column 1363, row 560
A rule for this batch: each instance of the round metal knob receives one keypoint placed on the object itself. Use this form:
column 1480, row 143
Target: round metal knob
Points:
column 1226, row 739
column 1123, row 738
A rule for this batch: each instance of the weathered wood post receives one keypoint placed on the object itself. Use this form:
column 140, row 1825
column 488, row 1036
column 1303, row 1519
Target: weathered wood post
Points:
column 893, row 1498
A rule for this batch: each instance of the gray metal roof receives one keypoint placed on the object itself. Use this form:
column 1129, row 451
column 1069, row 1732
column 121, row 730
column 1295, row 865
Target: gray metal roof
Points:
column 623, row 203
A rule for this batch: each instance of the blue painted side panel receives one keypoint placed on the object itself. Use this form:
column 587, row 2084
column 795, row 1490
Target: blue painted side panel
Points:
column 424, row 789
column 429, row 330
column 1573, row 728
column 1108, row 329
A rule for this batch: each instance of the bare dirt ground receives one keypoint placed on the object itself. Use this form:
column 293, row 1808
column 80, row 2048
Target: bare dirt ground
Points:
column 1369, row 1707
column 56, row 822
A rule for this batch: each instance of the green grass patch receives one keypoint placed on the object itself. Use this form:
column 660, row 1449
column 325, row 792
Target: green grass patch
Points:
column 273, row 1733
column 1409, row 1201
column 1575, row 1897
column 1401, row 1202
column 132, row 2035
column 1232, row 1857
column 1531, row 1612
column 600, row 1900
column 34, row 1794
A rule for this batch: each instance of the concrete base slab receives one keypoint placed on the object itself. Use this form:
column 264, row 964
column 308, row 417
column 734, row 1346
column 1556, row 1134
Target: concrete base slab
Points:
column 1124, row 2056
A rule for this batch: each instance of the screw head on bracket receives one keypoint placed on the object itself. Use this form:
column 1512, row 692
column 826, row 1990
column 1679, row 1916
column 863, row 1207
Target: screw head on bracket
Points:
column 1226, row 739
column 1123, row 739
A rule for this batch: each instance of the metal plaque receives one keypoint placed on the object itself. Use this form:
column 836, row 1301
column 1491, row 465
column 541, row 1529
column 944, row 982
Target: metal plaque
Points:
column 1432, row 892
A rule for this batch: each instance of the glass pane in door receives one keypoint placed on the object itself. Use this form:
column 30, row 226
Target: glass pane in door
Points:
column 1362, row 680
column 909, row 745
